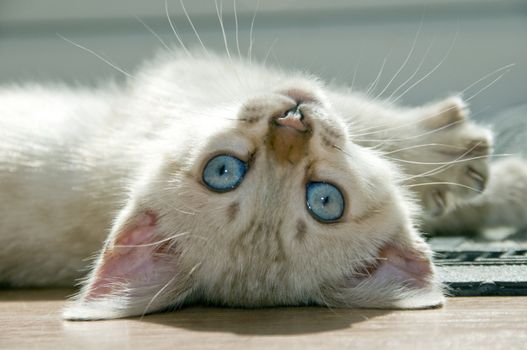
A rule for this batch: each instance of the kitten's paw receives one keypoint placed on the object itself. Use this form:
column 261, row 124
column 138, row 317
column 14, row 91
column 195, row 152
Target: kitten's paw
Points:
column 449, row 161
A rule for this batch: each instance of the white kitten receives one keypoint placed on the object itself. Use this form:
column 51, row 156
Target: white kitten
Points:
column 230, row 183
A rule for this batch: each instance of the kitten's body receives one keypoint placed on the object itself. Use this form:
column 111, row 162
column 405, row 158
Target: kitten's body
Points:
column 77, row 165
column 58, row 180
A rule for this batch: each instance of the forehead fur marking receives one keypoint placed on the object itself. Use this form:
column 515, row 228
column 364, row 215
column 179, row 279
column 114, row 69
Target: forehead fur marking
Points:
column 252, row 112
column 279, row 254
column 325, row 141
column 251, row 118
column 232, row 211
column 239, row 244
column 301, row 229
column 259, row 239
column 268, row 239
column 331, row 131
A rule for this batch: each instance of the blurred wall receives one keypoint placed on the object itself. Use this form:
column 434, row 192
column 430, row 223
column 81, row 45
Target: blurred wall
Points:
column 456, row 42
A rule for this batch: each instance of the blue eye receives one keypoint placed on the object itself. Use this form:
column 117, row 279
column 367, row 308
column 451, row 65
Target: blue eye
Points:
column 324, row 201
column 224, row 173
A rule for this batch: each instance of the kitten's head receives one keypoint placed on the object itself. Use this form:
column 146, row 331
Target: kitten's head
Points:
column 262, row 201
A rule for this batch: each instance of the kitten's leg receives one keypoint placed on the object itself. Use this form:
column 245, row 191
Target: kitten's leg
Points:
column 443, row 154
column 501, row 207
column 448, row 163
column 446, row 158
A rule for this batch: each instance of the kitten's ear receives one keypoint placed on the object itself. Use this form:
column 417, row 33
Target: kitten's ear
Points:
column 412, row 272
column 138, row 271
column 401, row 278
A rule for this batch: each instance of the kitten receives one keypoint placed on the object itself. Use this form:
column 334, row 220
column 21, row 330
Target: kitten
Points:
column 220, row 181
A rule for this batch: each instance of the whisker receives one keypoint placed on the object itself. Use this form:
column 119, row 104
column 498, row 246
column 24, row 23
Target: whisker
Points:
column 406, row 59
column 153, row 33
column 194, row 28
column 487, row 86
column 445, row 167
column 157, row 295
column 108, row 62
column 153, row 243
column 417, row 70
column 437, row 163
column 355, row 70
column 459, row 158
column 269, row 51
column 442, row 111
column 442, row 168
column 193, row 269
column 443, row 164
column 506, row 67
column 184, row 212
column 251, row 40
column 412, row 123
column 381, row 128
column 236, row 30
column 416, row 121
column 444, row 183
column 175, row 31
column 436, row 67
column 373, row 85
column 340, row 149
column 425, row 145
column 410, row 137
column 220, row 19
column 179, row 210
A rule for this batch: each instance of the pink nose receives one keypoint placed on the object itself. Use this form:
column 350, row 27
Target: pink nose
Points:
column 293, row 119
column 288, row 136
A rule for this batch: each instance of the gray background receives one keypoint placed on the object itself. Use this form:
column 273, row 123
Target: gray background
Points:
column 333, row 39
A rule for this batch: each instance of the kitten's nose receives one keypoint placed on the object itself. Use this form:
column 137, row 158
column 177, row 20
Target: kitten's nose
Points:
column 288, row 135
column 293, row 118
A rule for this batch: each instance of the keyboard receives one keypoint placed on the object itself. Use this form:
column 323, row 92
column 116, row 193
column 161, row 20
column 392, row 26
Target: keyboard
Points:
column 470, row 267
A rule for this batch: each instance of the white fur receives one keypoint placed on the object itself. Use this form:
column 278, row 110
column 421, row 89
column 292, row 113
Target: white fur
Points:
column 72, row 160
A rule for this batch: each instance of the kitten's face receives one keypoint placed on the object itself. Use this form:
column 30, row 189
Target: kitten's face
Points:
column 270, row 203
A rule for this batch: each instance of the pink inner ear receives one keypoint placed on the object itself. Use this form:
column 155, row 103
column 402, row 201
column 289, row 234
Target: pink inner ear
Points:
column 409, row 266
column 130, row 260
column 405, row 265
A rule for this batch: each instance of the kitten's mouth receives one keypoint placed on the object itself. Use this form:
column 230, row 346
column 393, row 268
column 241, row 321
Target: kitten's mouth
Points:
column 300, row 95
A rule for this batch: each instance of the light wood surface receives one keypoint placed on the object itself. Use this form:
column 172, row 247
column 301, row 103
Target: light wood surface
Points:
column 31, row 320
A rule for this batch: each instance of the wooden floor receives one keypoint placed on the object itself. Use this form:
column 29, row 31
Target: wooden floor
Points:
column 31, row 320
